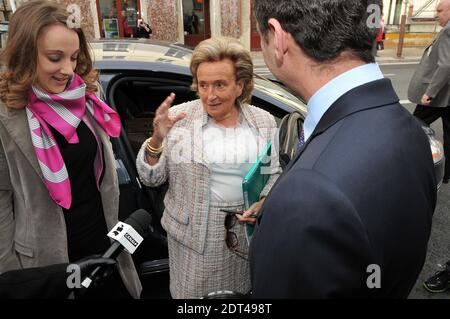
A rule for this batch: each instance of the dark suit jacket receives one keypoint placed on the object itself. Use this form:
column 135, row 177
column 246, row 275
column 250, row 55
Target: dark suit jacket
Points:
column 361, row 191
column 43, row 282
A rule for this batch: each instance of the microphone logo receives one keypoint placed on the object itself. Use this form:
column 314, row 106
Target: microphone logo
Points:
column 126, row 235
column 131, row 240
column 118, row 230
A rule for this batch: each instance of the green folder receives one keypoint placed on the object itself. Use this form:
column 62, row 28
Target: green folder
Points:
column 254, row 182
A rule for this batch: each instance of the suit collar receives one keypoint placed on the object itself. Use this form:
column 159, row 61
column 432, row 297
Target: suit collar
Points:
column 16, row 123
column 330, row 92
column 437, row 35
column 359, row 99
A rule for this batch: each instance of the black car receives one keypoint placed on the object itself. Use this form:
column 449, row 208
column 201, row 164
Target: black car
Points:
column 136, row 76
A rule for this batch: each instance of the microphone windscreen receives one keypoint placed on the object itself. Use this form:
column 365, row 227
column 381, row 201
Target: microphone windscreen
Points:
column 140, row 220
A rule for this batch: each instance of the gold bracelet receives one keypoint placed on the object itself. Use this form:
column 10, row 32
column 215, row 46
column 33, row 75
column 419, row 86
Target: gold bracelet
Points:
column 151, row 152
column 151, row 149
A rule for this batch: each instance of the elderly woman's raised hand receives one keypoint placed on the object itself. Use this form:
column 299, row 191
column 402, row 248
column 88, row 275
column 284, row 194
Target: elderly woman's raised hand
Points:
column 162, row 123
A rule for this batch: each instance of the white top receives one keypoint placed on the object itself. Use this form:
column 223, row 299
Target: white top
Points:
column 229, row 154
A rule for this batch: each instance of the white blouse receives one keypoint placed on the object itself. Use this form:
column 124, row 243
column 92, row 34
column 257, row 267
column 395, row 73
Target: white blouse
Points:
column 229, row 154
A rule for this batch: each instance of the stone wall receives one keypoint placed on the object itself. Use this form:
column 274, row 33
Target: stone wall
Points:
column 231, row 18
column 163, row 17
column 228, row 18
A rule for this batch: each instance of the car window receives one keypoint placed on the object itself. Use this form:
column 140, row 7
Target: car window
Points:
column 280, row 94
column 277, row 112
column 137, row 98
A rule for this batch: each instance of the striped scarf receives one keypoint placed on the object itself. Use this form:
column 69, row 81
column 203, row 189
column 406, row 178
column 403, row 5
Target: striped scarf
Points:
column 64, row 112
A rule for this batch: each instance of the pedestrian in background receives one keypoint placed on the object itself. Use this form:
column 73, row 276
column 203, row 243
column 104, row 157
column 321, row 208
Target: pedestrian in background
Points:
column 128, row 31
column 143, row 29
column 430, row 85
column 430, row 89
column 381, row 35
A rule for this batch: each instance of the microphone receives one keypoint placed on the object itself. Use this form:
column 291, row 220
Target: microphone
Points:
column 128, row 234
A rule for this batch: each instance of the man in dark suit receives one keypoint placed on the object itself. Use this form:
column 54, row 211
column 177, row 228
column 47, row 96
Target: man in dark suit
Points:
column 430, row 85
column 351, row 214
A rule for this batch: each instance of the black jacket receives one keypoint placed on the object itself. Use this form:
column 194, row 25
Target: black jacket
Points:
column 43, row 282
column 142, row 33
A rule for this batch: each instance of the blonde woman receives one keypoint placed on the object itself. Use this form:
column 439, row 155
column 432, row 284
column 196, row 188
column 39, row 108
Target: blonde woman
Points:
column 204, row 148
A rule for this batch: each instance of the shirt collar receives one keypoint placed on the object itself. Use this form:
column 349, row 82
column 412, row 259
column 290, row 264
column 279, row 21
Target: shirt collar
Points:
column 243, row 114
column 321, row 101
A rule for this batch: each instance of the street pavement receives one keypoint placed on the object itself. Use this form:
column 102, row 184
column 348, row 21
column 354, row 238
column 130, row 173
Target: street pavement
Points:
column 400, row 70
column 389, row 56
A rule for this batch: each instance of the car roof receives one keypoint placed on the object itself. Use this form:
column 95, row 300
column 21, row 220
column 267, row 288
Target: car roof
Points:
column 159, row 56
column 141, row 54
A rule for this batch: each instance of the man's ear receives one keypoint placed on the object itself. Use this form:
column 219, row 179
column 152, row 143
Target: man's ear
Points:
column 279, row 39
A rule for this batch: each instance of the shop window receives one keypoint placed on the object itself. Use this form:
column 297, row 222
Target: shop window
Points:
column 129, row 17
column 196, row 21
column 118, row 19
column 193, row 17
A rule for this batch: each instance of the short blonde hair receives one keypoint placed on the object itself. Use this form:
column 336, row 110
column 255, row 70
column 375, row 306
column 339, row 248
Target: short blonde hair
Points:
column 220, row 48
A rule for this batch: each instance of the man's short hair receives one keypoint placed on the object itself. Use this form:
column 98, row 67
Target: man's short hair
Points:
column 324, row 28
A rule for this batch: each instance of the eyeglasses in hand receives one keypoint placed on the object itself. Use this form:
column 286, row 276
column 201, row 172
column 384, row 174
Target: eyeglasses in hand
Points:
column 231, row 239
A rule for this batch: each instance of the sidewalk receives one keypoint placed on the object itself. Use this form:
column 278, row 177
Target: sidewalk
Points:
column 388, row 55
column 409, row 54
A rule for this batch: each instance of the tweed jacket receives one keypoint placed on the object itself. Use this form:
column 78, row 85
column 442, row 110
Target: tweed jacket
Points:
column 184, row 165
column 32, row 225
column 432, row 76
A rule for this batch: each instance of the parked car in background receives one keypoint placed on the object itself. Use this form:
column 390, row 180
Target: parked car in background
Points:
column 136, row 75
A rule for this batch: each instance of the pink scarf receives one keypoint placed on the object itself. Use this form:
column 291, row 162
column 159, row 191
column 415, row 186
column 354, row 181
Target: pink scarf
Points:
column 64, row 112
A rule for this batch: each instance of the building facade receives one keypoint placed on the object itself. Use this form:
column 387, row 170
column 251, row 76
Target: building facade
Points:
column 420, row 10
column 183, row 21
column 190, row 21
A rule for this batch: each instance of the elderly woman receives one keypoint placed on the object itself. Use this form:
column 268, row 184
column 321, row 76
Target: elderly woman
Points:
column 204, row 148
column 59, row 192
